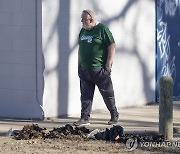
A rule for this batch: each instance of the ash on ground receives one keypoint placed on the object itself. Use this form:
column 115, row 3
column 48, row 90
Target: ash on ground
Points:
column 114, row 134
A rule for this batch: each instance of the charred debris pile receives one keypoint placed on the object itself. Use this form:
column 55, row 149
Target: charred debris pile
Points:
column 114, row 134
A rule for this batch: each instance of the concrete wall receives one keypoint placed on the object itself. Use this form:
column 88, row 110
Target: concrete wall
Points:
column 19, row 95
column 133, row 25
column 27, row 81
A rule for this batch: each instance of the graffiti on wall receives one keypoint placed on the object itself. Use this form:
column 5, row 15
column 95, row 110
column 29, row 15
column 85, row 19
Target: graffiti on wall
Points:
column 168, row 65
column 171, row 6
column 168, row 42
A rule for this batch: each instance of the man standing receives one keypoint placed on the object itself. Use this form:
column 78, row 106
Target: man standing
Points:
column 95, row 58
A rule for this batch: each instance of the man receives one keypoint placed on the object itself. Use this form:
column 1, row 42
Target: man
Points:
column 95, row 58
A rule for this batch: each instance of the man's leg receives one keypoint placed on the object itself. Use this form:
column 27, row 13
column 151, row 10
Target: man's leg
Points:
column 87, row 88
column 104, row 83
column 87, row 93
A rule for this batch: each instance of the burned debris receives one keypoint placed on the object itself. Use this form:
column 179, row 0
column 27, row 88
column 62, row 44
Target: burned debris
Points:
column 114, row 134
column 34, row 131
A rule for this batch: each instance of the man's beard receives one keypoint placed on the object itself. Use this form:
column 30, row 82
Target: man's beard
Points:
column 86, row 27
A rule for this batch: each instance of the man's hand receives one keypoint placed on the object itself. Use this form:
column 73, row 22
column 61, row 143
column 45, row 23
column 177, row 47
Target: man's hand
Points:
column 108, row 67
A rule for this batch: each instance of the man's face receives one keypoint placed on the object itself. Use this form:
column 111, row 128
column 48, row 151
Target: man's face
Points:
column 86, row 22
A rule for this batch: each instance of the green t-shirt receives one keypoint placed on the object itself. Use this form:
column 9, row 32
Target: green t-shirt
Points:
column 93, row 46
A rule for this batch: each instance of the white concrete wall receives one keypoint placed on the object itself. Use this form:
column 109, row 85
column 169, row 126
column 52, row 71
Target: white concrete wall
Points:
column 133, row 26
column 20, row 83
column 22, row 66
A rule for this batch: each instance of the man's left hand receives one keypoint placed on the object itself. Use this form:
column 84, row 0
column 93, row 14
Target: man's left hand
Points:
column 108, row 67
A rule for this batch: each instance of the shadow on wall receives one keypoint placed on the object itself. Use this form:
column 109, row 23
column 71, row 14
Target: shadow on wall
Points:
column 60, row 27
column 63, row 23
column 146, row 78
column 64, row 53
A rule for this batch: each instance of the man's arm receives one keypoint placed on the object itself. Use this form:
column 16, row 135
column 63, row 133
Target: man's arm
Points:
column 111, row 53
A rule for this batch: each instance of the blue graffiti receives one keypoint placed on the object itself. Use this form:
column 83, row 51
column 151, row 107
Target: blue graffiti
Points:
column 168, row 64
column 168, row 42
column 163, row 38
column 171, row 6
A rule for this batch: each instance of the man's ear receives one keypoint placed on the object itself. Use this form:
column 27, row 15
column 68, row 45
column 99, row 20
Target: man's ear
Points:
column 91, row 20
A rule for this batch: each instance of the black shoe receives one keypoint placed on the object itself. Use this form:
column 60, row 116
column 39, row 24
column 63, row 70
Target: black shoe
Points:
column 81, row 122
column 113, row 120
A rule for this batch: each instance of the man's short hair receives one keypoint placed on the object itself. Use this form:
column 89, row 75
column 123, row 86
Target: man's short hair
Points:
column 90, row 13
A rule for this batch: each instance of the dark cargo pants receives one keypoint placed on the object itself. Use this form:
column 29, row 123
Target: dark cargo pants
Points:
column 88, row 79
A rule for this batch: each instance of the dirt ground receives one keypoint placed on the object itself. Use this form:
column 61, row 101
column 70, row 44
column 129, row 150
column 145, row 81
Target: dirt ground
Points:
column 68, row 146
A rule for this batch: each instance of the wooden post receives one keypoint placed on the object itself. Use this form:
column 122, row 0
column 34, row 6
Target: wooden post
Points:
column 166, row 107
